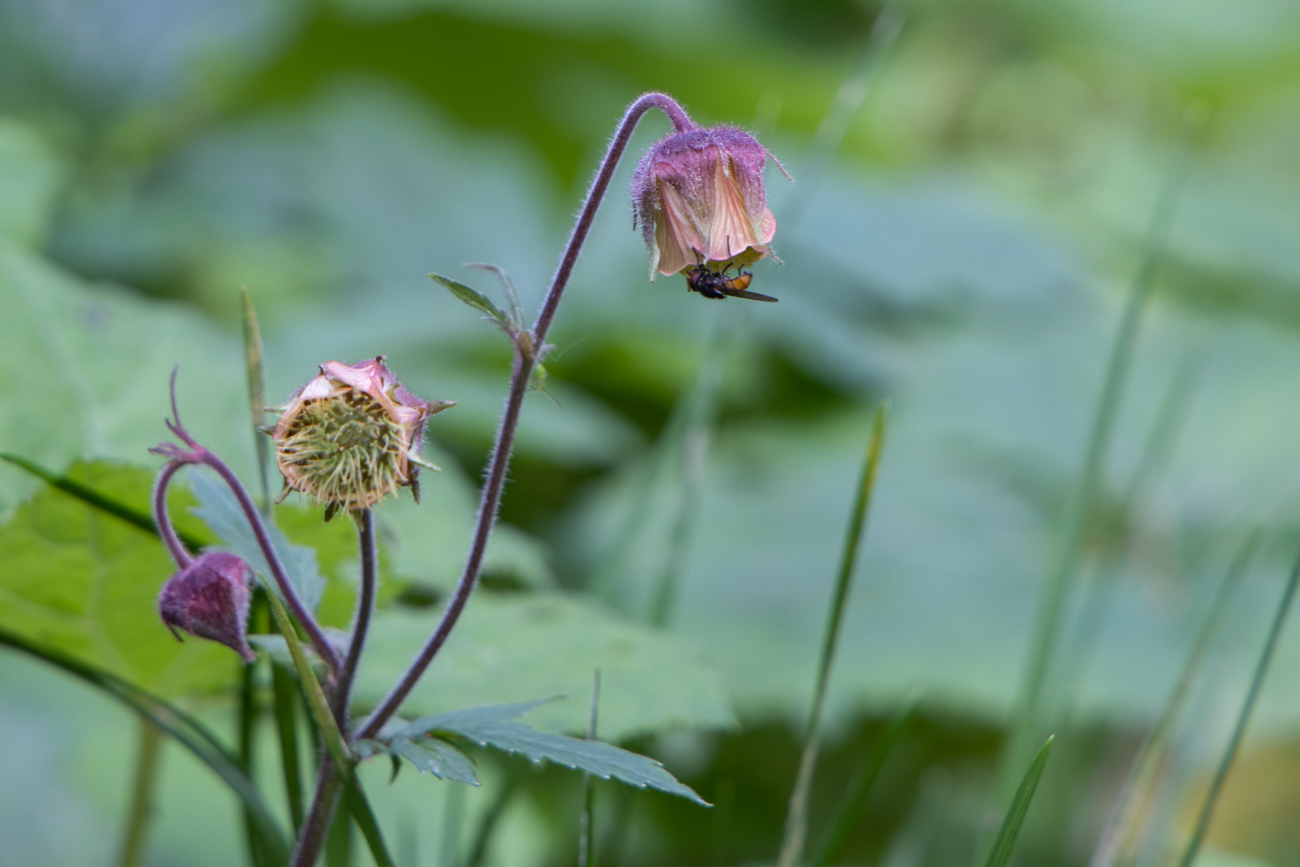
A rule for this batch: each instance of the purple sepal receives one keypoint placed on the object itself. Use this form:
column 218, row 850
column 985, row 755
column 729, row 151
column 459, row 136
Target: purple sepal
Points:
column 209, row 598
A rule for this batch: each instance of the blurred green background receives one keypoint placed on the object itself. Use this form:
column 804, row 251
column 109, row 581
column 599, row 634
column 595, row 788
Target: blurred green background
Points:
column 964, row 252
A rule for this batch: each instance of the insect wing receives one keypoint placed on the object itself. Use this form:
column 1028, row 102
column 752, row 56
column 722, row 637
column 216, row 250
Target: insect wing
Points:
column 752, row 296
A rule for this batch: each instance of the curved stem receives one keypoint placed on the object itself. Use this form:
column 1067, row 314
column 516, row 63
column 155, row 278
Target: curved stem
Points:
column 361, row 622
column 528, row 347
column 254, row 518
column 163, row 521
column 681, row 123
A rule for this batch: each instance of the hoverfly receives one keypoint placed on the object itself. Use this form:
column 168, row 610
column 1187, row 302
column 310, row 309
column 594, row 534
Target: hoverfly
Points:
column 715, row 284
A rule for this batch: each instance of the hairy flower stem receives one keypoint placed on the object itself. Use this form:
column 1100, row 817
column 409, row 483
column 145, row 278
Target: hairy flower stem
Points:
column 361, row 620
column 197, row 454
column 529, row 347
column 161, row 519
column 317, row 823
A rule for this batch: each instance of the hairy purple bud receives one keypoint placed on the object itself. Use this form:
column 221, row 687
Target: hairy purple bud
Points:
column 209, row 598
column 699, row 199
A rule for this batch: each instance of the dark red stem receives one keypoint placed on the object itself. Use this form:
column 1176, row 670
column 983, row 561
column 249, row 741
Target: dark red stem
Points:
column 529, row 346
column 163, row 520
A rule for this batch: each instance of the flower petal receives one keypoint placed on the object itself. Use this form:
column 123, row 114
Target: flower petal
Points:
column 678, row 241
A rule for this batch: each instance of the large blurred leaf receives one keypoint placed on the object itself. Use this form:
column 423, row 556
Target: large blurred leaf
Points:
column 95, row 364
column 85, row 583
column 509, row 646
column 30, row 178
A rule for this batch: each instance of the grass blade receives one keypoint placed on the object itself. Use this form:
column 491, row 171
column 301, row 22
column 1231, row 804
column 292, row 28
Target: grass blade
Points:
column 316, row 701
column 186, row 730
column 285, row 702
column 1006, row 840
column 1119, row 825
column 1243, row 718
column 587, row 821
column 849, row 99
column 488, row 824
column 1028, row 720
column 690, row 452
column 142, row 796
column 355, row 798
column 88, row 495
column 248, row 713
column 796, row 821
column 851, row 805
column 256, row 393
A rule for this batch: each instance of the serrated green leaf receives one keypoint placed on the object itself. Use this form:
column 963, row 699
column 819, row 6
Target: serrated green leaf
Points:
column 221, row 512
column 594, row 757
column 478, row 301
column 80, row 581
column 470, row 716
column 437, row 757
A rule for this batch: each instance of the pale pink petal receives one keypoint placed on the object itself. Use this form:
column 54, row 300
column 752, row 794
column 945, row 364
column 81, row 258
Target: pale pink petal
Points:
column 766, row 226
column 676, row 237
column 732, row 231
column 319, row 387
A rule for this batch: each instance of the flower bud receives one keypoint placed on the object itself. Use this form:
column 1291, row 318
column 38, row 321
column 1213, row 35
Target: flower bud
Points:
column 209, row 598
column 349, row 438
column 698, row 197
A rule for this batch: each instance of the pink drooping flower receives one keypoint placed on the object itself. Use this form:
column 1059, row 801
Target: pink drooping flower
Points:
column 209, row 598
column 351, row 436
column 699, row 200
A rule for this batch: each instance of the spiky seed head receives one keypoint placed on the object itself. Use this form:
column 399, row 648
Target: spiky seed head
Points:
column 351, row 436
column 699, row 199
column 209, row 598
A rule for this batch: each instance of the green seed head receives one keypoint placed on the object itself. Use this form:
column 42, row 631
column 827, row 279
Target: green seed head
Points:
column 349, row 437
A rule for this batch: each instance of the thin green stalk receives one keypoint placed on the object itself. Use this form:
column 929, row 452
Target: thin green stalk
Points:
column 587, row 821
column 796, row 822
column 688, row 411
column 848, row 101
column 453, row 817
column 338, row 843
column 1243, row 718
column 285, row 695
column 849, row 812
column 691, row 451
column 1124, row 813
column 256, row 393
column 336, row 771
column 146, row 779
column 248, row 713
column 1028, row 719
column 1161, row 439
column 483, row 837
